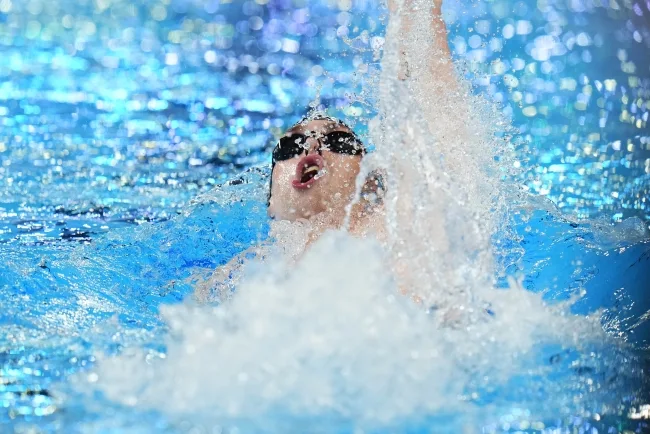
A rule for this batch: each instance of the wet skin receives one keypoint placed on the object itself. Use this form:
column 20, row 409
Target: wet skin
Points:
column 329, row 194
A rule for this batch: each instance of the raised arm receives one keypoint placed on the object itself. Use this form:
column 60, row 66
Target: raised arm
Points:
column 429, row 136
column 427, row 68
column 437, row 57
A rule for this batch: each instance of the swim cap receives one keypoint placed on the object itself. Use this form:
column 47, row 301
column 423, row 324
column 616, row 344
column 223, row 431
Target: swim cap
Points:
column 318, row 115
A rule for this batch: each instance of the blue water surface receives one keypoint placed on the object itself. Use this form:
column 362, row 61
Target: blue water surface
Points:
column 115, row 114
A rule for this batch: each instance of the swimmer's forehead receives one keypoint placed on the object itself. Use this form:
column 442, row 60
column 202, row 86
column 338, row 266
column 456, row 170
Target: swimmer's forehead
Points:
column 322, row 126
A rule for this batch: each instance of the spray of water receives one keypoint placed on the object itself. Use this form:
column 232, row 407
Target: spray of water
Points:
column 323, row 336
column 329, row 341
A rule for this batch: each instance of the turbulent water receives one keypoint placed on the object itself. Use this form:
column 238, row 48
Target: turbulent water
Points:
column 329, row 340
column 516, row 327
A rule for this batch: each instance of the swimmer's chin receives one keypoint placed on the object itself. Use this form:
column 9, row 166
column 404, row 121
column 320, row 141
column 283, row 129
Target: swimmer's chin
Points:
column 295, row 215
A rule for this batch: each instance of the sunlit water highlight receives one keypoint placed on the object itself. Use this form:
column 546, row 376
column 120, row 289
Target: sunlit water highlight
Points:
column 327, row 344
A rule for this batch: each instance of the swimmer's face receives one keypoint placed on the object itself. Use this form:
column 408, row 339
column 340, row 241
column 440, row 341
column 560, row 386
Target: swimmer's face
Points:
column 299, row 195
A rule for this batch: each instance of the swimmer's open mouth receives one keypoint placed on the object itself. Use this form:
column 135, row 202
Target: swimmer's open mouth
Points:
column 307, row 171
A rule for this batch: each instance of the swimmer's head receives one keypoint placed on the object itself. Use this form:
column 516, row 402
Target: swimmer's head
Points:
column 315, row 167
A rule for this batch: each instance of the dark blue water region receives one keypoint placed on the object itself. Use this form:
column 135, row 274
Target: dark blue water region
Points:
column 600, row 265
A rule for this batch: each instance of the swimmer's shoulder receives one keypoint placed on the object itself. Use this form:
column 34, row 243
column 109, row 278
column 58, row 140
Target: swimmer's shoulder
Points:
column 370, row 222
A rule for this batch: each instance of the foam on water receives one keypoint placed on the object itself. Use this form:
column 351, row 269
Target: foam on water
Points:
column 331, row 340
column 326, row 338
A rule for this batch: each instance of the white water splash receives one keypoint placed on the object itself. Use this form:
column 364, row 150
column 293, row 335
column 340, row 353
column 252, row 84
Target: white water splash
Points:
column 326, row 337
column 330, row 338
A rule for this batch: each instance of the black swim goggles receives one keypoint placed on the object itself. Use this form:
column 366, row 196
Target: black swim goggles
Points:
column 341, row 142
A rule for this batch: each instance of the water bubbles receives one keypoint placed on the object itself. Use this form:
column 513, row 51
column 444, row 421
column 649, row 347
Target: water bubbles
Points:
column 106, row 126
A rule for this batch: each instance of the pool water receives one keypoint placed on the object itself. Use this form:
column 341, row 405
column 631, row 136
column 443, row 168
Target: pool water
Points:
column 135, row 141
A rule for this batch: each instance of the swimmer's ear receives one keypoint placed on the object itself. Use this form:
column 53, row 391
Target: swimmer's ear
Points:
column 374, row 189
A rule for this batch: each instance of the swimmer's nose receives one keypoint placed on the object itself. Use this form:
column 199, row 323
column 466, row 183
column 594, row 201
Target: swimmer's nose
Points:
column 313, row 146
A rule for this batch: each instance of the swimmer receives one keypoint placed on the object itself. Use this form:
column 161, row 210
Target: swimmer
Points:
column 317, row 162
column 315, row 166
column 313, row 185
